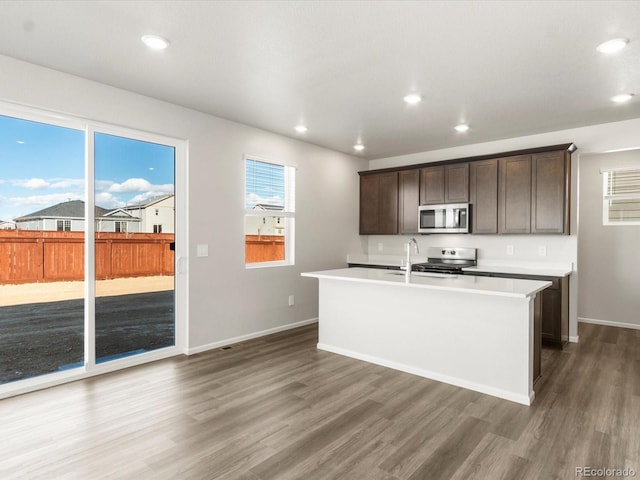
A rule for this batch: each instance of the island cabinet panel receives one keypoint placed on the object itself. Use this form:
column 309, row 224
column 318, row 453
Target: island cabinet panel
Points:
column 514, row 194
column 483, row 196
column 408, row 200
column 550, row 193
column 379, row 203
column 444, row 184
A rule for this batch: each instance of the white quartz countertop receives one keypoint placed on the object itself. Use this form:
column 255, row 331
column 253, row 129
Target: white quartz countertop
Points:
column 507, row 287
column 542, row 270
column 383, row 260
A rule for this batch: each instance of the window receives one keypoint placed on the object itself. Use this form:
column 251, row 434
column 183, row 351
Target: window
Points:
column 63, row 225
column 120, row 227
column 269, row 213
column 157, row 229
column 621, row 197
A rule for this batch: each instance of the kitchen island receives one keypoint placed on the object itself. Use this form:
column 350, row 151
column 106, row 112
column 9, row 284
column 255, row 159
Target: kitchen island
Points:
column 473, row 332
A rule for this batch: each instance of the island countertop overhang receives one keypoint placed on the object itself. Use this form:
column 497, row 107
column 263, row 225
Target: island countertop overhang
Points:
column 505, row 287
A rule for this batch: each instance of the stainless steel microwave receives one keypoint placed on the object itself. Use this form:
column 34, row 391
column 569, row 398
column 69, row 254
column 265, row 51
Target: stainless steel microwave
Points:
column 448, row 218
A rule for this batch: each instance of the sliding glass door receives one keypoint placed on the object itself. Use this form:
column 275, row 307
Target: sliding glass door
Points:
column 42, row 185
column 134, row 236
column 87, row 247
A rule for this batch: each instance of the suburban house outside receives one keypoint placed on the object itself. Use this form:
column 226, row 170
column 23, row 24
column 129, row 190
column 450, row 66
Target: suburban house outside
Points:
column 267, row 225
column 156, row 216
column 5, row 225
column 118, row 221
column 69, row 217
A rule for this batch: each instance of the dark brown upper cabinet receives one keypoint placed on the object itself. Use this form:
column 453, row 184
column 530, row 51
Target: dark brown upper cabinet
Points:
column 408, row 201
column 379, row 203
column 534, row 193
column 514, row 194
column 444, row 184
column 524, row 191
column 550, row 192
column 483, row 196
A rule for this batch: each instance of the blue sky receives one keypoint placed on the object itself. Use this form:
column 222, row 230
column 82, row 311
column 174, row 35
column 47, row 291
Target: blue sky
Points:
column 42, row 165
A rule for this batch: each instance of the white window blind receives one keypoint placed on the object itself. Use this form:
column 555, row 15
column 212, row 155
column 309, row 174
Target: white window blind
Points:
column 621, row 197
column 269, row 186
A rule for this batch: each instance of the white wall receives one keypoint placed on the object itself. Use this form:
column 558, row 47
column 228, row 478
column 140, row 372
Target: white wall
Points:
column 226, row 301
column 609, row 256
column 592, row 139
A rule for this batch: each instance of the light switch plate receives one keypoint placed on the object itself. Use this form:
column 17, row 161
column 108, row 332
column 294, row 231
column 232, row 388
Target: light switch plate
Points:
column 509, row 249
column 202, row 250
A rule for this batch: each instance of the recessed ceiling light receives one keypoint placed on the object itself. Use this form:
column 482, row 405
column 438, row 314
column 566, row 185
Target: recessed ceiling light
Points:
column 359, row 147
column 622, row 98
column 300, row 128
column 156, row 42
column 413, row 98
column 613, row 45
column 463, row 127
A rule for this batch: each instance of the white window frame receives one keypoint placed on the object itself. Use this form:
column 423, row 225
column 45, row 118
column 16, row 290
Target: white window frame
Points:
column 65, row 223
column 120, row 226
column 288, row 215
column 606, row 197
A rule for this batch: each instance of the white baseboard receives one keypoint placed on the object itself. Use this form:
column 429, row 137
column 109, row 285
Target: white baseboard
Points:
column 574, row 339
column 249, row 336
column 609, row 323
column 458, row 382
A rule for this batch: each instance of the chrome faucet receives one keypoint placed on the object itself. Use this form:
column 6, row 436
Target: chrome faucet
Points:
column 407, row 273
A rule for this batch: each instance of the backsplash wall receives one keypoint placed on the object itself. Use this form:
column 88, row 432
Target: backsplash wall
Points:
column 491, row 248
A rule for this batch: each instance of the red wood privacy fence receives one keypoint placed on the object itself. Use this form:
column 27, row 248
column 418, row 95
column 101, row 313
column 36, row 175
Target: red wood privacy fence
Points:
column 34, row 256
column 263, row 248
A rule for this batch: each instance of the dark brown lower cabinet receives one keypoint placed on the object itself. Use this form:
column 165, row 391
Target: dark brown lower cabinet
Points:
column 553, row 307
column 555, row 313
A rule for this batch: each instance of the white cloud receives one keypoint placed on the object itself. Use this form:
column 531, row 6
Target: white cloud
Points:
column 143, row 198
column 32, row 183
column 40, row 201
column 130, row 185
column 108, row 200
column 139, row 185
column 66, row 182
column 103, row 184
column 254, row 199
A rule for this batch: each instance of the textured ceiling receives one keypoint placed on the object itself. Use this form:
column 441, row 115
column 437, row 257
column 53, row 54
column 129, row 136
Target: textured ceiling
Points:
column 507, row 68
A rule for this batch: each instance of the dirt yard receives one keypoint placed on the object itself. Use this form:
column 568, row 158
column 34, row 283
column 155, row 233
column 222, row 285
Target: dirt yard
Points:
column 42, row 325
column 59, row 291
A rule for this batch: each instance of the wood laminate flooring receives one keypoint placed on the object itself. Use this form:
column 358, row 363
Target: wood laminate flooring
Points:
column 276, row 408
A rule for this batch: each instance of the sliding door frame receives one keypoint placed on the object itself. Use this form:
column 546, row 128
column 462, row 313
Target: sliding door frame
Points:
column 181, row 274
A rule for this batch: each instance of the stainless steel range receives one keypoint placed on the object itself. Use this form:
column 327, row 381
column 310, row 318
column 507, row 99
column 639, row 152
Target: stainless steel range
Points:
column 449, row 260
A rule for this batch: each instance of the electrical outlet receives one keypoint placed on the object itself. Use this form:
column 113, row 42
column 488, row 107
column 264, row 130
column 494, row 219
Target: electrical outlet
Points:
column 292, row 300
column 380, row 247
column 202, row 250
column 509, row 249
column 542, row 251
